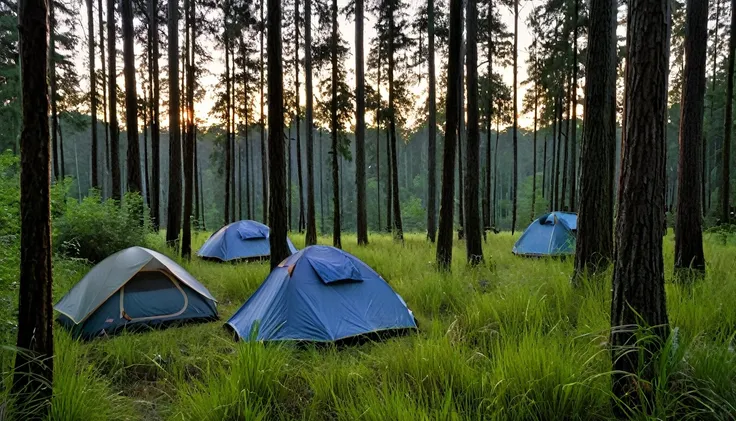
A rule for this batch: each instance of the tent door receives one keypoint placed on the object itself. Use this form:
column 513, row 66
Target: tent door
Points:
column 149, row 290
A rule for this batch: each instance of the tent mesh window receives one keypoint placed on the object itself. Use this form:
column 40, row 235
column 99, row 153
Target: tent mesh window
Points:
column 138, row 304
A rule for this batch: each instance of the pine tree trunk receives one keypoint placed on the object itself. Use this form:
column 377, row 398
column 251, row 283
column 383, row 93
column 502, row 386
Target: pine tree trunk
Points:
column 495, row 175
column 311, row 237
column 197, row 192
column 594, row 248
column 474, row 245
column 516, row 117
column 544, row 168
column 186, row 240
column 362, row 222
column 264, row 151
column 565, row 162
column 689, row 258
column 52, row 93
column 460, row 162
column 638, row 276
column 432, row 131
column 398, row 230
column 378, row 140
column 228, row 98
column 321, row 187
column 101, row 34
column 92, row 93
column 33, row 375
column 726, row 150
column 574, row 128
column 389, row 212
column 336, row 240
column 173, row 220
column 301, row 223
column 444, row 236
column 131, row 99
column 155, row 119
column 534, row 152
column 706, row 169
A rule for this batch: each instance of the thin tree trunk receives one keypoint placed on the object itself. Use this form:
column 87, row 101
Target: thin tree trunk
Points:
column 155, row 119
column 131, row 100
column 92, row 93
column 689, row 258
column 728, row 123
column 33, row 374
column 362, row 218
column 311, row 236
column 574, row 128
column 638, row 275
column 264, row 151
column 301, row 222
column 61, row 147
column 460, row 162
column 321, row 177
column 495, row 174
column 534, row 152
column 101, row 33
column 516, row 117
column 398, row 230
column 444, row 237
column 432, row 131
column 197, row 192
column 186, row 238
column 173, row 225
column 378, row 139
column 336, row 240
column 544, row 168
column 566, row 148
column 473, row 243
column 52, row 93
column 389, row 212
column 228, row 98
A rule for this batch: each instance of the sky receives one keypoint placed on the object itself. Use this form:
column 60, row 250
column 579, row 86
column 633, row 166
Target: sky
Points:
column 347, row 31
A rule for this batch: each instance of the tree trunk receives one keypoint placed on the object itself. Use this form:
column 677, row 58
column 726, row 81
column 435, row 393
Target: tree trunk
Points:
column 101, row 33
column 495, row 174
column 173, row 220
column 362, row 222
column 516, row 117
column 473, row 242
column 553, row 166
column 228, row 99
column 301, row 223
column 131, row 99
column 264, row 151
column 544, row 168
column 460, row 162
column 444, row 236
column 321, row 177
column 276, row 152
column 378, row 139
column 398, row 230
column 92, row 93
column 638, row 276
column 52, row 93
column 594, row 248
column 565, row 162
column 186, row 248
column 689, row 258
column 726, row 150
column 389, row 212
column 432, row 131
column 311, row 237
column 155, row 128
column 33, row 375
column 197, row 192
column 336, row 240
column 574, row 128
column 534, row 150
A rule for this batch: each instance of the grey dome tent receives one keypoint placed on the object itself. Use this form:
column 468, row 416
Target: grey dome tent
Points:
column 134, row 287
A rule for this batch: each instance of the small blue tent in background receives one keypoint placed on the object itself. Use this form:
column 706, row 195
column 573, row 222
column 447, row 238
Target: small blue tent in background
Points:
column 321, row 294
column 242, row 240
column 133, row 287
column 553, row 234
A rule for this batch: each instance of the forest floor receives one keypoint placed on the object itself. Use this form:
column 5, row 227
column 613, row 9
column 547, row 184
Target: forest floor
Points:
column 509, row 340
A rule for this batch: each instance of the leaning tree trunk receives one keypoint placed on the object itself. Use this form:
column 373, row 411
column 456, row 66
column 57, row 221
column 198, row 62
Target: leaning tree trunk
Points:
column 33, row 375
column 336, row 240
column 454, row 67
column 398, row 230
column 432, row 131
column 131, row 100
column 112, row 100
column 689, row 223
column 276, row 147
column 473, row 237
column 362, row 223
column 173, row 220
column 594, row 248
column 728, row 123
column 311, row 237
column 92, row 92
column 638, row 275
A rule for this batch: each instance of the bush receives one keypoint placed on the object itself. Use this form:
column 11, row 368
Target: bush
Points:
column 94, row 229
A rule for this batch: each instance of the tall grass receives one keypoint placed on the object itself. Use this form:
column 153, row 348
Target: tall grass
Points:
column 510, row 340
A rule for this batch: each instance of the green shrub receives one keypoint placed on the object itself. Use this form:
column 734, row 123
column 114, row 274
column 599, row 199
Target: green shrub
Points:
column 94, row 229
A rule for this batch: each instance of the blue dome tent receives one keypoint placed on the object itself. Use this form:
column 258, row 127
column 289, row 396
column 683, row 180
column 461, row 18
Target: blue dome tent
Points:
column 242, row 240
column 133, row 287
column 553, row 234
column 321, row 294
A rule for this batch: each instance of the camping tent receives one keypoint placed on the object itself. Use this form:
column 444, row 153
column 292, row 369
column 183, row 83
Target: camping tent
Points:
column 133, row 287
column 553, row 234
column 240, row 240
column 321, row 294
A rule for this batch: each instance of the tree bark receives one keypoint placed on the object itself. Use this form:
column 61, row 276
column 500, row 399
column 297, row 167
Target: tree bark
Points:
column 534, row 150
column 362, row 221
column 473, row 242
column 173, row 220
column 336, row 240
column 444, row 237
column 101, row 33
column 264, row 152
column 516, row 117
column 228, row 99
column 726, row 150
column 33, row 375
column 155, row 128
column 92, row 93
column 52, row 94
column 432, row 131
column 574, row 128
column 689, row 258
column 276, row 152
column 186, row 248
column 301, row 223
column 389, row 184
column 131, row 99
column 112, row 101
column 398, row 230
column 311, row 237
column 638, row 276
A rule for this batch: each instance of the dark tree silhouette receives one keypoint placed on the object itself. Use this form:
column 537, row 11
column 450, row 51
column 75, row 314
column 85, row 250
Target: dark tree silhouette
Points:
column 155, row 188
column 362, row 222
column 638, row 274
column 112, row 100
column 276, row 147
column 336, row 228
column 473, row 236
column 574, row 122
column 311, row 236
column 131, row 99
column 454, row 67
column 33, row 375
column 264, row 153
column 728, row 122
column 398, row 230
column 516, row 117
column 431, row 130
column 594, row 248
column 101, row 34
column 186, row 248
column 95, row 183
column 173, row 220
column 689, row 223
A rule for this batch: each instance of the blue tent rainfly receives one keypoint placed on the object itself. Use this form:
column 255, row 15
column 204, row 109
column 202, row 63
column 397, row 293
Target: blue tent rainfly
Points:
column 134, row 287
column 242, row 240
column 321, row 294
column 552, row 234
